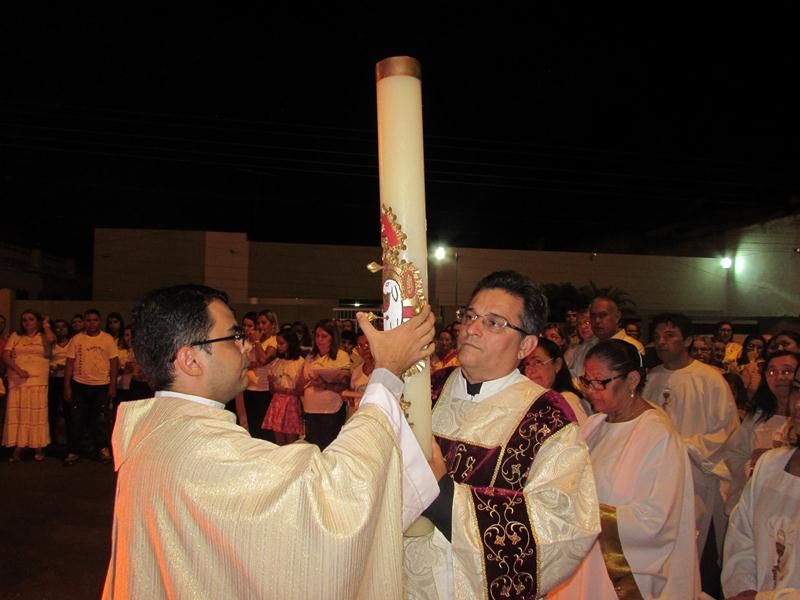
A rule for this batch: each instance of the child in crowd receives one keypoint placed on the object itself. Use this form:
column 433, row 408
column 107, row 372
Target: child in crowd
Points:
column 285, row 415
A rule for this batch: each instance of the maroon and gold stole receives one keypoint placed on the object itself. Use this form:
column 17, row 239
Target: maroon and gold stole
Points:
column 496, row 477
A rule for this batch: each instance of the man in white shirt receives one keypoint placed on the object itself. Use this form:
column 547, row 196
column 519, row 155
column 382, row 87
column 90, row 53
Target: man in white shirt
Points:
column 90, row 384
column 204, row 510
column 605, row 316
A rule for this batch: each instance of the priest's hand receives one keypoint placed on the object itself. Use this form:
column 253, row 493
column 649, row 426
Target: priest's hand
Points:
column 403, row 346
column 436, row 461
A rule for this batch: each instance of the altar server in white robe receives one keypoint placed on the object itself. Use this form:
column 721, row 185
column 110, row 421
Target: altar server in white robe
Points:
column 763, row 425
column 700, row 404
column 762, row 548
column 644, row 485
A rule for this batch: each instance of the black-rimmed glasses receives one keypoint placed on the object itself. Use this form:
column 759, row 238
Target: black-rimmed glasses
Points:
column 598, row 385
column 490, row 321
column 240, row 336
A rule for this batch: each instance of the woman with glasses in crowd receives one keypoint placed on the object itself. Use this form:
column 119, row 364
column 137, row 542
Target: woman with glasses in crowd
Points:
column 762, row 546
column 764, row 423
column 545, row 366
column 644, row 486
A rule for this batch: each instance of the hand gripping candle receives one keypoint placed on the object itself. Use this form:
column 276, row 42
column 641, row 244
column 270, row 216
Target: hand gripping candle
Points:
column 404, row 227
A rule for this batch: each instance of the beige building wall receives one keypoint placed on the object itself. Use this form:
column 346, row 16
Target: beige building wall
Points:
column 766, row 282
column 130, row 262
column 312, row 271
column 766, row 272
column 227, row 257
column 656, row 283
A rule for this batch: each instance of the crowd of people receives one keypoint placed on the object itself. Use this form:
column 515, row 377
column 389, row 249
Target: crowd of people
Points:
column 675, row 430
column 692, row 439
column 65, row 381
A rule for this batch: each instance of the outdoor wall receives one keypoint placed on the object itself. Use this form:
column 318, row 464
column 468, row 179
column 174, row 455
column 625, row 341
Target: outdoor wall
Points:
column 227, row 257
column 656, row 283
column 130, row 262
column 313, row 271
column 765, row 284
column 766, row 272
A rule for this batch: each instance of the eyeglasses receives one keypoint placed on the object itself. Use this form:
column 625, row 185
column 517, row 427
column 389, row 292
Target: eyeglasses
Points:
column 490, row 321
column 240, row 336
column 598, row 385
column 787, row 372
column 536, row 363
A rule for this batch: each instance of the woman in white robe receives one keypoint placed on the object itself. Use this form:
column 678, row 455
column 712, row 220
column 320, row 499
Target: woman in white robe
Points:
column 762, row 427
column 647, row 545
column 761, row 547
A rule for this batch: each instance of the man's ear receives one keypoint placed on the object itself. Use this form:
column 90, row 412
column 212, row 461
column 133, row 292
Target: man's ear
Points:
column 187, row 361
column 687, row 343
column 527, row 345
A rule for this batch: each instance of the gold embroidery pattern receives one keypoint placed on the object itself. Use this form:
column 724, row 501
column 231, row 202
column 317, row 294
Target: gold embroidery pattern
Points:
column 537, row 426
column 460, row 452
column 509, row 547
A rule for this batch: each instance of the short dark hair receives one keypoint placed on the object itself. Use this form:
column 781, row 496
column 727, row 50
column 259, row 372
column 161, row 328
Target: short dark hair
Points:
column 611, row 302
column 166, row 320
column 677, row 320
column 92, row 311
column 721, row 323
column 620, row 356
column 534, row 302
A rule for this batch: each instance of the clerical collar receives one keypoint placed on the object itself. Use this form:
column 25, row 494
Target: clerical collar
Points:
column 473, row 389
column 477, row 392
column 191, row 398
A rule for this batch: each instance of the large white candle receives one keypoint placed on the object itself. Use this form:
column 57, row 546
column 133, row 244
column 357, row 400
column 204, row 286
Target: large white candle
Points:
column 403, row 223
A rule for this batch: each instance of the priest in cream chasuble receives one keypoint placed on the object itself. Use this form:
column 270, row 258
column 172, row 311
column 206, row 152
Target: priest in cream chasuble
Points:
column 518, row 509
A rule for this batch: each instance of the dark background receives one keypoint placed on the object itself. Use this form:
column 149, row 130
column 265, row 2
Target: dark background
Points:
column 553, row 128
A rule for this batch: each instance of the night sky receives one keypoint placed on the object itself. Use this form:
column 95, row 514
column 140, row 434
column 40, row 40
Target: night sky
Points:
column 548, row 128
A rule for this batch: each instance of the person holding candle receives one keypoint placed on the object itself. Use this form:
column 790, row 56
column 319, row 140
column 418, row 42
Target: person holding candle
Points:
column 201, row 507
column 517, row 509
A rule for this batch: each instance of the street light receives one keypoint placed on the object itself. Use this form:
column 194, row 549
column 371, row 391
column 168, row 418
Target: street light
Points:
column 440, row 254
